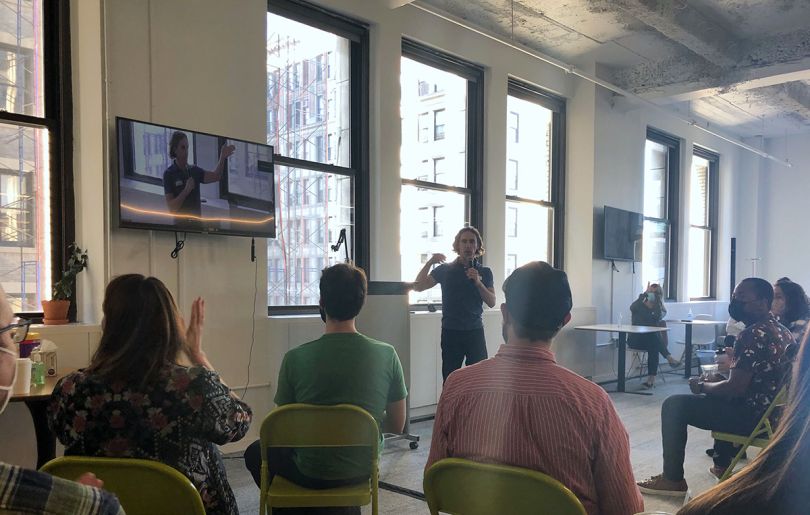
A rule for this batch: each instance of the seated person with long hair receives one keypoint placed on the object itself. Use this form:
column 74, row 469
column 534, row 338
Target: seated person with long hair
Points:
column 776, row 481
column 791, row 307
column 648, row 309
column 136, row 401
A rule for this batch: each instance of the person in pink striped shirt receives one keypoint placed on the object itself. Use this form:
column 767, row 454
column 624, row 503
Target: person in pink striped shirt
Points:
column 520, row 408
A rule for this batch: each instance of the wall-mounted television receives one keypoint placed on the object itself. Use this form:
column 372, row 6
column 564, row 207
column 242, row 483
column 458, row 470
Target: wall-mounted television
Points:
column 623, row 231
column 174, row 179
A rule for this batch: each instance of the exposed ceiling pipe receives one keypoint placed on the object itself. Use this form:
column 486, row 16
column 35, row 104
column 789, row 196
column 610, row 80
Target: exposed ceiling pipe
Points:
column 573, row 70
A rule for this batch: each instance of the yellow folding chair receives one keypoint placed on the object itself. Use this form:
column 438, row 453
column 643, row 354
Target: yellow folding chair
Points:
column 464, row 487
column 143, row 487
column 759, row 437
column 307, row 425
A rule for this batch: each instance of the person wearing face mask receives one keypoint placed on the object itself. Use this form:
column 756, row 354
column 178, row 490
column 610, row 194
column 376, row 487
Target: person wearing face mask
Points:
column 521, row 408
column 732, row 405
column 29, row 491
column 649, row 310
column 341, row 367
column 466, row 285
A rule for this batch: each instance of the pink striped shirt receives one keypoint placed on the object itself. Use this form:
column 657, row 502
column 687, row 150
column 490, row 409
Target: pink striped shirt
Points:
column 520, row 408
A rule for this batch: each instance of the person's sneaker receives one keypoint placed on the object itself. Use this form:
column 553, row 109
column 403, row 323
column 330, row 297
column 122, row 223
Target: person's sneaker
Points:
column 717, row 471
column 659, row 485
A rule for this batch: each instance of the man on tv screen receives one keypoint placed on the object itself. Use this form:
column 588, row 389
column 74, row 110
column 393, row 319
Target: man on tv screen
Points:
column 181, row 181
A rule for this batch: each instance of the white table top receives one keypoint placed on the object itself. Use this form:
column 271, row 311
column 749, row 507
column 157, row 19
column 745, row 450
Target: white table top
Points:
column 700, row 321
column 615, row 328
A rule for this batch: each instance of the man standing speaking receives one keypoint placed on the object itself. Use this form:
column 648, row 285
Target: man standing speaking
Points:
column 466, row 284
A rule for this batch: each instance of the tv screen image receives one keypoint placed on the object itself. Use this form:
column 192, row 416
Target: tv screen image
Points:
column 175, row 179
column 623, row 233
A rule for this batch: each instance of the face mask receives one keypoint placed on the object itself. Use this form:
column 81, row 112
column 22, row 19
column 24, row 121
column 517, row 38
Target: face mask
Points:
column 651, row 297
column 736, row 310
column 8, row 388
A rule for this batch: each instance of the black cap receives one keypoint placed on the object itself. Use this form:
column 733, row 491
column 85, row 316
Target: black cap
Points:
column 538, row 296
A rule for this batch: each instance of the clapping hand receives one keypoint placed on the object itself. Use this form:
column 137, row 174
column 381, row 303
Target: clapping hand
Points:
column 194, row 331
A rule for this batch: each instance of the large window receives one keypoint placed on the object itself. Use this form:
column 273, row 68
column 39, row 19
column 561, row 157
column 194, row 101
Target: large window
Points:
column 659, row 256
column 702, row 224
column 534, row 177
column 440, row 157
column 317, row 121
column 36, row 195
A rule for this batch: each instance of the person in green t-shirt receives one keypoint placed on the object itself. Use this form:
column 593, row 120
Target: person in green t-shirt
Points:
column 341, row 367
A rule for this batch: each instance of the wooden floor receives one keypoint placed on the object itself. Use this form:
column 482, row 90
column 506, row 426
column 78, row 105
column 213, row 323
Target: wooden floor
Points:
column 641, row 416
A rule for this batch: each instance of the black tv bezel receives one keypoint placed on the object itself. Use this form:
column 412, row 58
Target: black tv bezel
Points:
column 604, row 234
column 116, row 168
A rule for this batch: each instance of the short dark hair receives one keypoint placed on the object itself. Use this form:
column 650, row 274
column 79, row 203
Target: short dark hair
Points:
column 177, row 137
column 538, row 299
column 343, row 291
column 796, row 304
column 761, row 288
column 478, row 238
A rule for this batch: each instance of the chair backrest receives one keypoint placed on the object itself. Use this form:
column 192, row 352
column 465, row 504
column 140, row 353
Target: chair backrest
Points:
column 142, row 486
column 466, row 487
column 310, row 425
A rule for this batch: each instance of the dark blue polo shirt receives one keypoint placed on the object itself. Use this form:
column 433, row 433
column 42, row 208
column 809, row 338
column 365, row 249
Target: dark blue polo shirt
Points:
column 462, row 305
column 174, row 180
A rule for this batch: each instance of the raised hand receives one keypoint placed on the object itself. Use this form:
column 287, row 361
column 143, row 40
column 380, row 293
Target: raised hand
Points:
column 437, row 258
column 194, row 331
column 226, row 151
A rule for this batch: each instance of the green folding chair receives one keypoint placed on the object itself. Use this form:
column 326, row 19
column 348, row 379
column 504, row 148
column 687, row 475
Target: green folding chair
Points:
column 759, row 437
column 308, row 425
column 464, row 487
column 143, row 487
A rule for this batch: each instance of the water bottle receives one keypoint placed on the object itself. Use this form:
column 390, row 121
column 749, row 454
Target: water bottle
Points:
column 620, row 320
column 690, row 316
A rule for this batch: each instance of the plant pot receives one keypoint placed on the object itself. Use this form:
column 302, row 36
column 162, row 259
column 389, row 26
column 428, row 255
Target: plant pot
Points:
column 55, row 312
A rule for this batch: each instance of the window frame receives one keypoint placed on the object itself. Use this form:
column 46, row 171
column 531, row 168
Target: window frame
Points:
column 672, row 208
column 357, row 33
column 556, row 105
column 57, row 120
column 474, row 75
column 713, row 201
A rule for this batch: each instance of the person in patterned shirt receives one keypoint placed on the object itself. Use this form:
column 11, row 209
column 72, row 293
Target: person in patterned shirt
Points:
column 136, row 401
column 732, row 405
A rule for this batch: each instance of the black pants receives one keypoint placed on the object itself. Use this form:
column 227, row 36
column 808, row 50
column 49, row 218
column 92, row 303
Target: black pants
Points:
column 280, row 461
column 704, row 412
column 458, row 345
column 653, row 346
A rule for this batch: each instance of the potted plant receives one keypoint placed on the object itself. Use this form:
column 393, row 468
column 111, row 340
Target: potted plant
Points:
column 55, row 311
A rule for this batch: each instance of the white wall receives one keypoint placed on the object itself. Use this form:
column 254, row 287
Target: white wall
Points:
column 784, row 238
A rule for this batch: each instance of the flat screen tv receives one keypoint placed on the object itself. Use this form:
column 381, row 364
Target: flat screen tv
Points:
column 175, row 179
column 623, row 230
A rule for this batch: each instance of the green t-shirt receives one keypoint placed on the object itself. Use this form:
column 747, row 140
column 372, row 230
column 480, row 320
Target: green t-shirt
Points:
column 340, row 368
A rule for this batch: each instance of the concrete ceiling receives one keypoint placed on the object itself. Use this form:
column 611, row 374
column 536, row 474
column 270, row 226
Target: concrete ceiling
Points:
column 741, row 65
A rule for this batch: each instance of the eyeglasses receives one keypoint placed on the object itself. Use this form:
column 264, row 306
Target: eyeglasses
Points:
column 18, row 328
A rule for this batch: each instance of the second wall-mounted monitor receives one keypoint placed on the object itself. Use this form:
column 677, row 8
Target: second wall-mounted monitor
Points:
column 623, row 233
column 174, row 179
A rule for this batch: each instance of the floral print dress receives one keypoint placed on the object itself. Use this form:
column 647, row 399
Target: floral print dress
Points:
column 178, row 421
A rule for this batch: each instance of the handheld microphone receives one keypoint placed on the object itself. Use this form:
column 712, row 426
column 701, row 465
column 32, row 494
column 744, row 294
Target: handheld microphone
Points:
column 472, row 264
